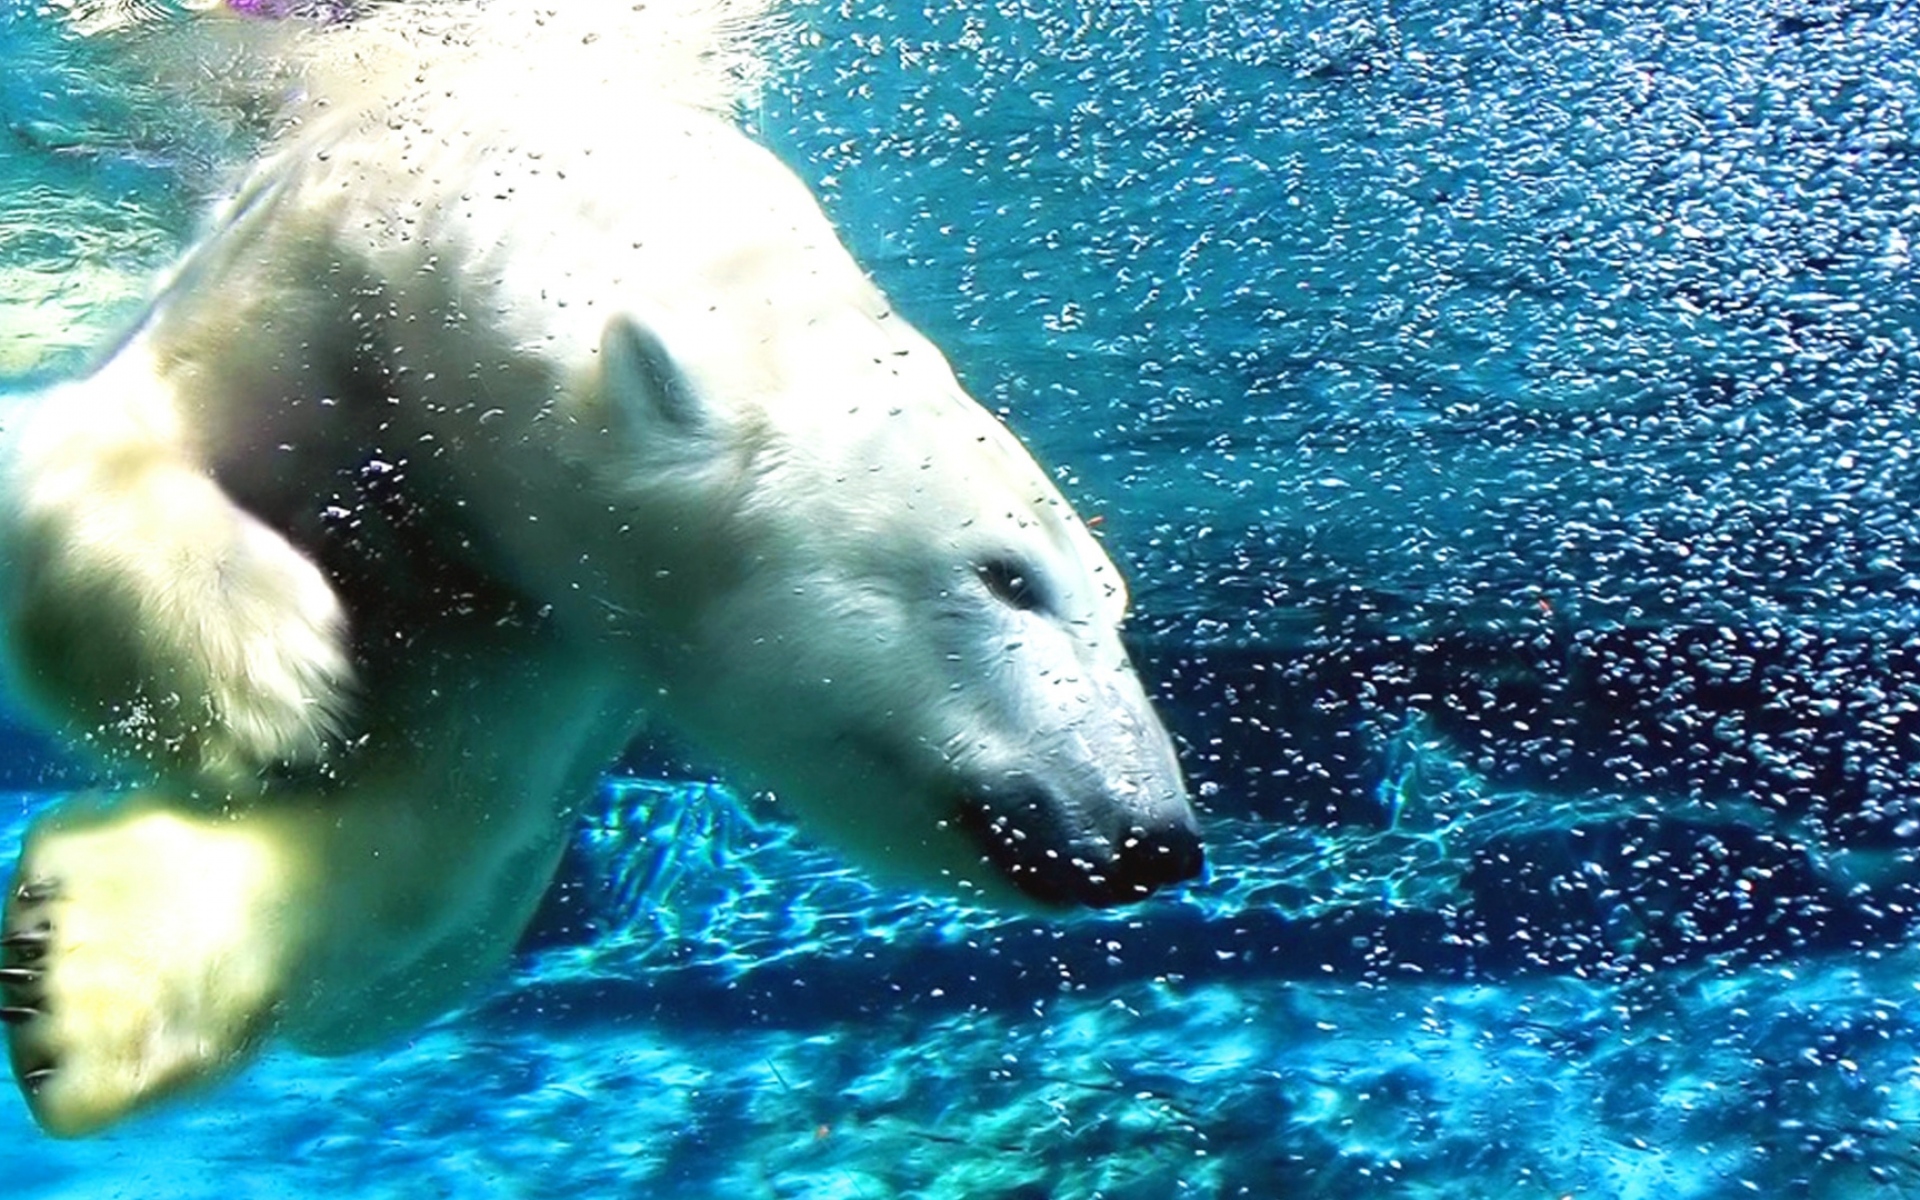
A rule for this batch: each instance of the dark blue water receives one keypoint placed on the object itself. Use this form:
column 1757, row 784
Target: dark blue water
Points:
column 1506, row 412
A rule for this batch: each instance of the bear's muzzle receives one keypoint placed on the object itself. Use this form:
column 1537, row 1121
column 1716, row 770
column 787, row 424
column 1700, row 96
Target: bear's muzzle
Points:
column 1035, row 840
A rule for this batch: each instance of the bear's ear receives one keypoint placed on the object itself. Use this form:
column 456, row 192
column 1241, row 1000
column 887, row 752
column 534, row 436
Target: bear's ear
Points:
column 646, row 392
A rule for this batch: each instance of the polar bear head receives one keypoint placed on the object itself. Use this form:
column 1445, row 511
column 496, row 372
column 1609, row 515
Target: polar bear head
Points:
column 820, row 557
column 890, row 617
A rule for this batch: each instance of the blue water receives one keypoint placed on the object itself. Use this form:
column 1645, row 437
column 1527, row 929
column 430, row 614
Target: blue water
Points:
column 1506, row 412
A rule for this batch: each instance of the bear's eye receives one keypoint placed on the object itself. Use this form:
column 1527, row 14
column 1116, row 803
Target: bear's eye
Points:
column 1014, row 584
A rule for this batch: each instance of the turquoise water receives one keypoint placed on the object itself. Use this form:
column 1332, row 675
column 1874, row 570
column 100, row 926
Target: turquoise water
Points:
column 766, row 1024
column 1506, row 414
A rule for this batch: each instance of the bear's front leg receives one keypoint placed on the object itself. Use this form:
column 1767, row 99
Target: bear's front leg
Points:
column 147, row 608
column 151, row 944
column 146, row 950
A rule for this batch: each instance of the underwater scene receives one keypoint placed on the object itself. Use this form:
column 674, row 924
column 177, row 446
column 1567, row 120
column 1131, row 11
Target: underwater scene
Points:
column 1507, row 418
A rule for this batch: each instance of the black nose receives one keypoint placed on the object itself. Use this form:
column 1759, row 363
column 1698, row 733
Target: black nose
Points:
column 1026, row 838
column 1150, row 858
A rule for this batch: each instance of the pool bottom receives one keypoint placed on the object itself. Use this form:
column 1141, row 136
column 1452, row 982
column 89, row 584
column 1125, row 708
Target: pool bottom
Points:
column 760, row 1022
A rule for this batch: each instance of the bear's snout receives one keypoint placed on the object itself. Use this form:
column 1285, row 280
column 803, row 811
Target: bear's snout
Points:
column 1040, row 844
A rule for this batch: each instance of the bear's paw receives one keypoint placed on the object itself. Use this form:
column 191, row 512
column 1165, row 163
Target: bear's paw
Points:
column 269, row 658
column 173, row 626
column 142, row 952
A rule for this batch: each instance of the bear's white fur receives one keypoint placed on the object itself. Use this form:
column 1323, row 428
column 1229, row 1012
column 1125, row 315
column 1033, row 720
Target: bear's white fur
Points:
column 516, row 396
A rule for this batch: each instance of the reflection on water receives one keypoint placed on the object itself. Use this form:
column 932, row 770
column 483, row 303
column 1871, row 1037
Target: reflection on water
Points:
column 74, row 265
column 107, row 164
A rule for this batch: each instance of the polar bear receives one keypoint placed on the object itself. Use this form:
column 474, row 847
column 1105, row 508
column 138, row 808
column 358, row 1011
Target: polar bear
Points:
column 516, row 399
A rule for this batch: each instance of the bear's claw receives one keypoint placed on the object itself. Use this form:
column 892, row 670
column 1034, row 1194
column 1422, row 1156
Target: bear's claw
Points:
column 38, row 892
column 27, row 945
column 18, row 1004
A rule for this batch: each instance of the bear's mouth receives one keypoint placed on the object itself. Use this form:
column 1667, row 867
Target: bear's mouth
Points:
column 1024, row 835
